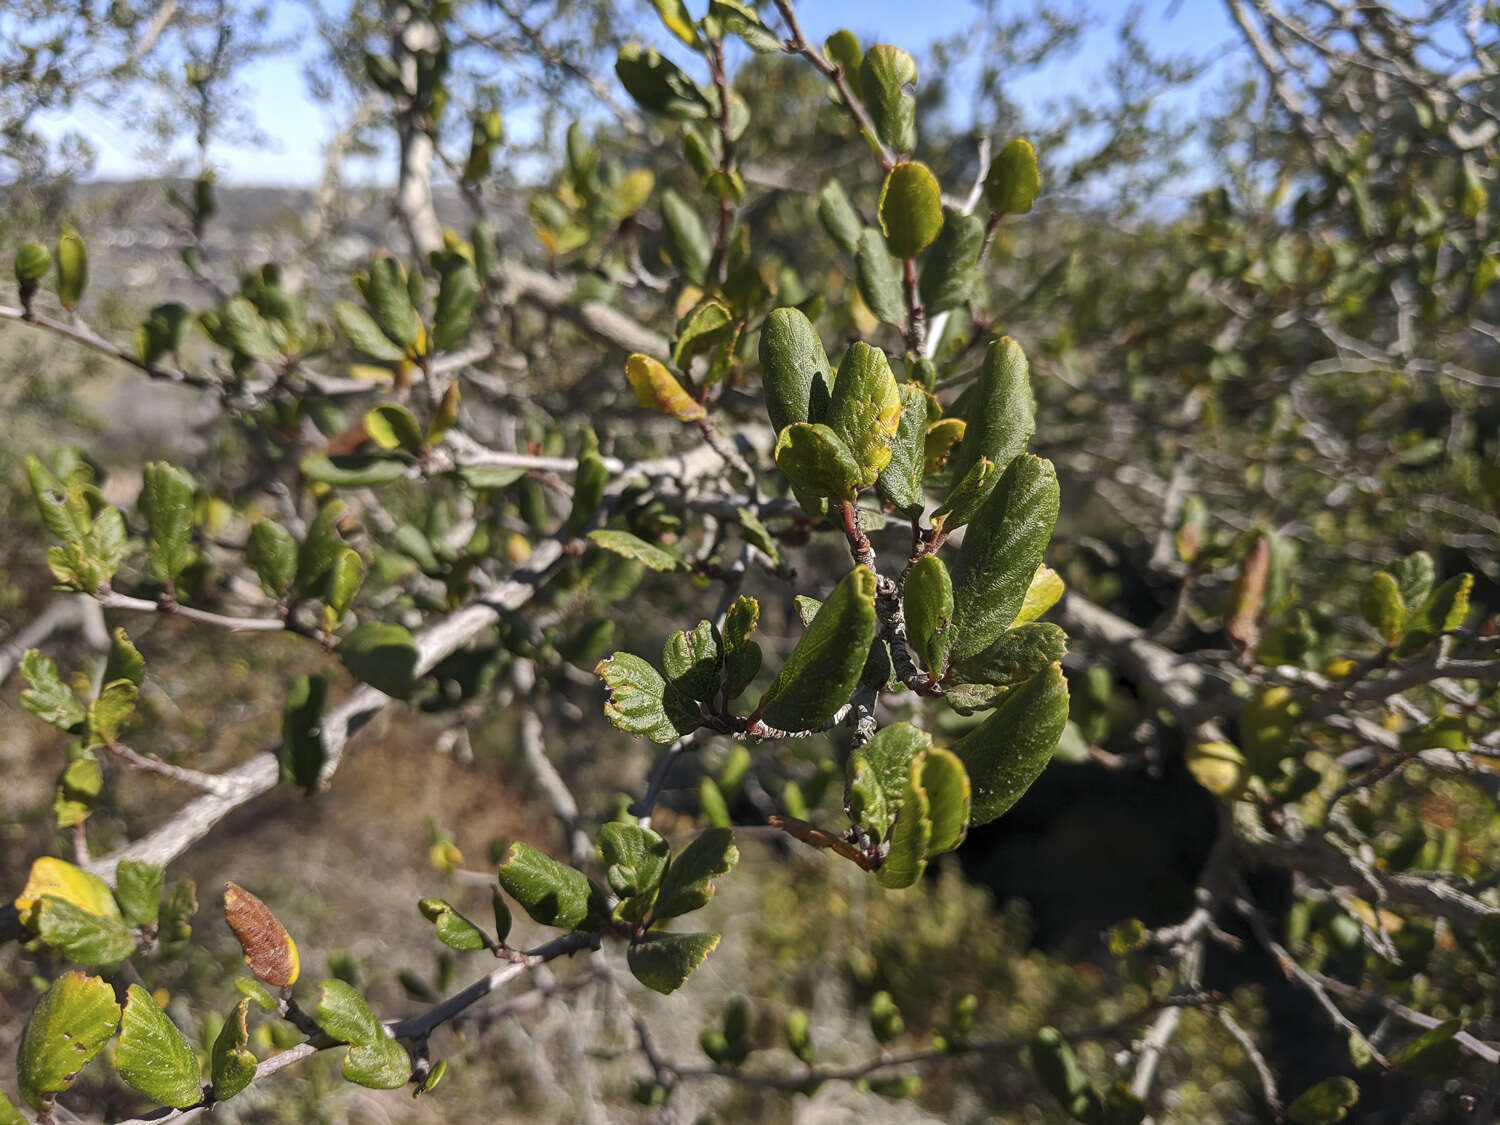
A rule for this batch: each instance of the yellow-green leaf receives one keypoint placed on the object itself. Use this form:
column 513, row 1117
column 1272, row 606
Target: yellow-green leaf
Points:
column 154, row 1055
column 52, row 876
column 657, row 388
column 1014, row 180
column 70, row 1024
column 911, row 209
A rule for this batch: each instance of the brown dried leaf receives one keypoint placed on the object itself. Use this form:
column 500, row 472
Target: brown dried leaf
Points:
column 269, row 949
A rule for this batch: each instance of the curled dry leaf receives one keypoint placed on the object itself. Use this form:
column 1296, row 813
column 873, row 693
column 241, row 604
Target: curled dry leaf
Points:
column 269, row 949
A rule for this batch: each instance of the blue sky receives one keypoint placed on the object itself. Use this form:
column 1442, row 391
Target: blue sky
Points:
column 283, row 108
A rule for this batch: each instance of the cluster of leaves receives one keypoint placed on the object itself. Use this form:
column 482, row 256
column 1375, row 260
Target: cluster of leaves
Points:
column 647, row 886
column 79, row 917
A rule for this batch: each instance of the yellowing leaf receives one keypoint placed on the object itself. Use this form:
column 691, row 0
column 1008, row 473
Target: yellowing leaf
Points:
column 61, row 879
column 657, row 388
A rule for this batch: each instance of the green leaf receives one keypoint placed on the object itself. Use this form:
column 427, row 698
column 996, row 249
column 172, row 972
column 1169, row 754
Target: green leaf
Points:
column 1001, row 414
column 502, row 915
column 245, row 331
column 589, row 483
column 687, row 241
column 885, row 81
column 33, row 260
column 664, row 961
column 817, row 463
column 702, row 326
column 386, row 291
column 1044, row 592
column 231, row 1062
column 551, row 893
column 72, row 267
column 272, row 554
column 178, row 907
column 1433, row 1046
column 967, row 496
column 842, row 49
column 885, row 1017
column 301, row 737
column 48, row 698
column 1000, row 553
column 254, row 990
column 154, row 1056
column 95, row 545
column 70, row 1024
column 630, row 546
column 1473, row 197
column 879, row 277
column 927, row 601
column 689, row 881
column 383, row 655
column 81, row 936
column 656, row 388
column 948, row 272
column 910, row 837
column 392, row 426
column 1443, row 611
column 124, row 661
column 138, row 887
column 365, row 334
column 742, row 20
column 946, row 783
column 344, row 580
column 865, row 409
column 374, row 1059
column 635, row 858
column 453, row 929
column 641, row 702
column 795, row 370
column 167, row 503
column 692, row 662
column 658, row 86
column 711, row 803
column 1009, row 750
column 890, row 755
column 109, row 713
column 352, row 470
column 1415, row 575
column 901, row 480
column 63, row 508
column 839, row 218
column 865, row 800
column 1057, row 1068
column 9, row 1114
column 911, row 209
column 1014, row 180
column 1017, row 654
column 1380, row 605
column 1327, row 1102
column 342, row 1014
column 78, row 787
column 742, row 656
column 821, row 673
column 458, row 293
column 445, row 415
column 162, row 332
